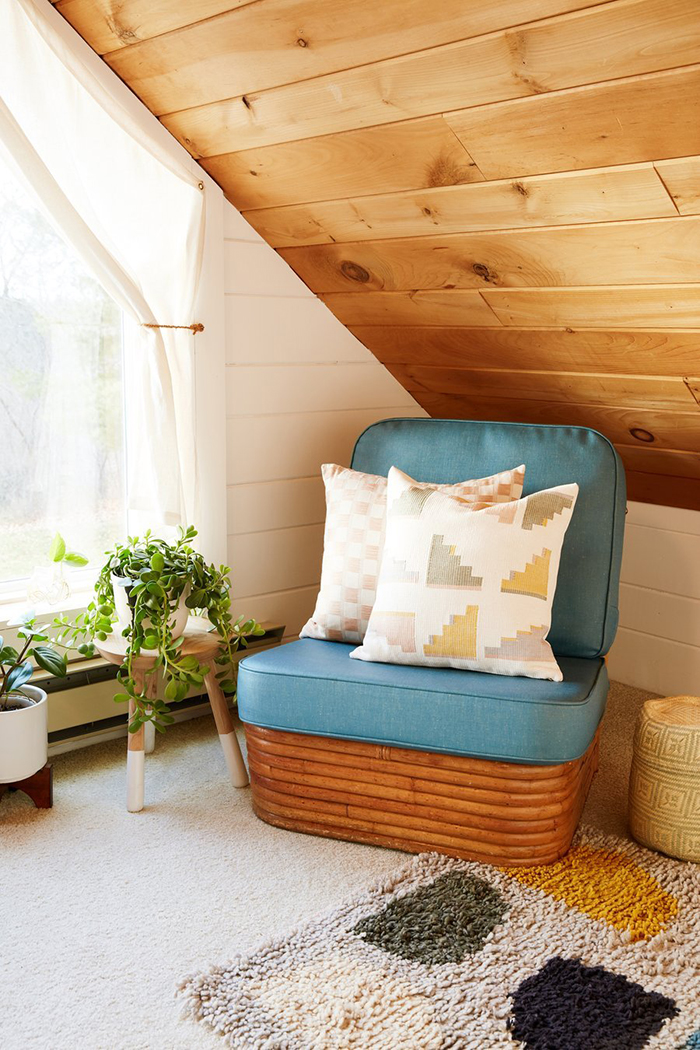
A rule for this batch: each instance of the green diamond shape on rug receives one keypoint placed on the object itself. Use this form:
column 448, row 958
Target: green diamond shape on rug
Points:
column 440, row 923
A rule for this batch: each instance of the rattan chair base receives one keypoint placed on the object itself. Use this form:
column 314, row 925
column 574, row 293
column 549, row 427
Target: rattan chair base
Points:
column 497, row 812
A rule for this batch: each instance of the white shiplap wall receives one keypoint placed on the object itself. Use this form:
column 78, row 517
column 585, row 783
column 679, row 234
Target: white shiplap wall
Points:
column 658, row 643
column 299, row 391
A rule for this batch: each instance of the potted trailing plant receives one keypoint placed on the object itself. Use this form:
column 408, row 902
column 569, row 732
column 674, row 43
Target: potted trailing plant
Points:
column 144, row 586
column 23, row 707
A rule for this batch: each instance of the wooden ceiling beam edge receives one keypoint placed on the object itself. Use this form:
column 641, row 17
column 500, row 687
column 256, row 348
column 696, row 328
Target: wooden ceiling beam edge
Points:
column 126, row 9
column 669, row 408
column 645, row 253
column 670, row 393
column 589, row 307
column 519, row 231
column 542, row 177
column 669, row 460
column 562, row 329
column 309, row 57
column 663, row 490
column 603, row 121
column 583, row 373
column 575, row 6
column 211, row 165
column 334, row 118
column 624, row 193
column 666, row 353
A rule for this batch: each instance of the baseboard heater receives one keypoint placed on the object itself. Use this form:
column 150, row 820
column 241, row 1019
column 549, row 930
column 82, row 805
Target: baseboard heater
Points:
column 81, row 706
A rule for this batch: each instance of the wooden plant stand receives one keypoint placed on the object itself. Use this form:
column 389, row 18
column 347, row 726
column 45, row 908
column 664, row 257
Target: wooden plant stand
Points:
column 39, row 787
column 205, row 646
column 496, row 812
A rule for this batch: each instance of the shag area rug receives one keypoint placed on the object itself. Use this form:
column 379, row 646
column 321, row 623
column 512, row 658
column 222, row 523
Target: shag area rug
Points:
column 600, row 951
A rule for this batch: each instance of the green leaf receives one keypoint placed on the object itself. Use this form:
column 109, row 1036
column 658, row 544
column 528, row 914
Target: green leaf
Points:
column 49, row 660
column 57, row 550
column 157, row 562
column 171, row 690
column 8, row 655
column 135, row 725
column 150, row 641
column 18, row 676
column 73, row 558
column 182, row 691
column 189, row 663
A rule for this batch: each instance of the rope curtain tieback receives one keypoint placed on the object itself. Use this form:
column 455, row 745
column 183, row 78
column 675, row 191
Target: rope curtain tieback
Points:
column 196, row 327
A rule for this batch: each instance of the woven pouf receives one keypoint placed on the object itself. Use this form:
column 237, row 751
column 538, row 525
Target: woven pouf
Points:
column 664, row 798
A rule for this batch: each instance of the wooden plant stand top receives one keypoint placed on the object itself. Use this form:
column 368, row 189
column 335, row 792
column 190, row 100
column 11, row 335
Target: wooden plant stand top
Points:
column 205, row 646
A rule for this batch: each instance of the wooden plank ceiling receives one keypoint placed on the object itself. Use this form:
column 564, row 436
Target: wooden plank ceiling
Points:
column 501, row 200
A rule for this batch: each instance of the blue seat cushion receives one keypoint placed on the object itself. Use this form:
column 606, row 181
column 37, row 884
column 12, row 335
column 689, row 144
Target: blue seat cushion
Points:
column 314, row 687
column 584, row 613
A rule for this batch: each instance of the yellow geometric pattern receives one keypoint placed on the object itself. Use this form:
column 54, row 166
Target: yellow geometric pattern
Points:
column 607, row 886
column 534, row 578
column 458, row 637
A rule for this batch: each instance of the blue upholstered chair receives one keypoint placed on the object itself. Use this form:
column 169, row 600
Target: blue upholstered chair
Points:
column 475, row 765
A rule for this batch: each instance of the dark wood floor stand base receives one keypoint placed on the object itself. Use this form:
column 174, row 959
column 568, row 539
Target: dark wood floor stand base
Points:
column 496, row 812
column 39, row 787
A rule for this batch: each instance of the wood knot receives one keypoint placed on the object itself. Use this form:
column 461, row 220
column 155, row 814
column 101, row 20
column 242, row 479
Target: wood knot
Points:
column 354, row 272
column 246, row 103
column 302, row 43
column 126, row 35
column 427, row 211
column 519, row 188
column 642, row 435
column 481, row 270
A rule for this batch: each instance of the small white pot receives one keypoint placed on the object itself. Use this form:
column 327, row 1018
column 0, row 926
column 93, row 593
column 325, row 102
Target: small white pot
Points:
column 24, row 737
column 178, row 621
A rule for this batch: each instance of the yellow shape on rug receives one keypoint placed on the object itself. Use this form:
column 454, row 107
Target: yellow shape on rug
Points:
column 607, row 886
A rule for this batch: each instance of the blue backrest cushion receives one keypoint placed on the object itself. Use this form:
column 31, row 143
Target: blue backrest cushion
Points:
column 585, row 615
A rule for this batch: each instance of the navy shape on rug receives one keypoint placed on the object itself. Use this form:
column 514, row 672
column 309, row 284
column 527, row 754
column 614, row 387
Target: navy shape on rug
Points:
column 576, row 1007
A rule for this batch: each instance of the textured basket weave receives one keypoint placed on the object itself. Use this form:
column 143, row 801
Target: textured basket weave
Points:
column 664, row 799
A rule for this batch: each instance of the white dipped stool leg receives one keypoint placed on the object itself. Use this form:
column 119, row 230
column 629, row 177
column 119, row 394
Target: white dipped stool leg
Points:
column 227, row 734
column 135, row 762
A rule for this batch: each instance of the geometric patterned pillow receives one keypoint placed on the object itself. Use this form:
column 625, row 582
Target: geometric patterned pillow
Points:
column 354, row 541
column 468, row 588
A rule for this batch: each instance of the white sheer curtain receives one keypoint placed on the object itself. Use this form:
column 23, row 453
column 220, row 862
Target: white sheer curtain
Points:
column 136, row 216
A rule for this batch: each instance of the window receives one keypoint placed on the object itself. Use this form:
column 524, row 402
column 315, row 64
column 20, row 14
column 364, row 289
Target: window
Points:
column 62, row 449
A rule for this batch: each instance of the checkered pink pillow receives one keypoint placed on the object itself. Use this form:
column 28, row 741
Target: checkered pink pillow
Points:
column 354, row 541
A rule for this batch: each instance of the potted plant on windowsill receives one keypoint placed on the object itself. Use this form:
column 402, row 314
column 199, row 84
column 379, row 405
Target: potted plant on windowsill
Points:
column 23, row 707
column 148, row 587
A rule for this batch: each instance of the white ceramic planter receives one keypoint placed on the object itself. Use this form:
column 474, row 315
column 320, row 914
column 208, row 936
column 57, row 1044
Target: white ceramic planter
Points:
column 178, row 621
column 24, row 737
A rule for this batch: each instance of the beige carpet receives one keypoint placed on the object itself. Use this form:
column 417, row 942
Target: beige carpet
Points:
column 102, row 911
